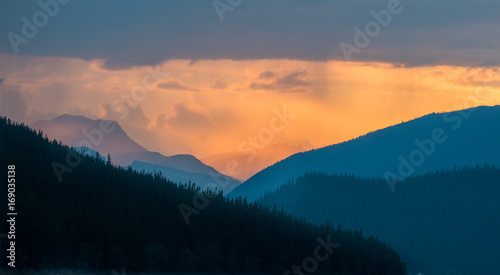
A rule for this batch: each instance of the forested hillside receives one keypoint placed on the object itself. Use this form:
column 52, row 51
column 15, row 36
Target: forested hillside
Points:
column 444, row 222
column 103, row 217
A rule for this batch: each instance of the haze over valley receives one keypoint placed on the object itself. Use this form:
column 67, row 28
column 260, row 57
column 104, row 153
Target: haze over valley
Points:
column 250, row 137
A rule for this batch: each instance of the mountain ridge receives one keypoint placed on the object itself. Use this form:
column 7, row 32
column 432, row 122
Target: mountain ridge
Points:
column 205, row 181
column 442, row 222
column 381, row 153
column 108, row 137
column 106, row 217
column 101, row 135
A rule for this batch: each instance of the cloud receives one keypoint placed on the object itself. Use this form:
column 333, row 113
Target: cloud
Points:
column 173, row 85
column 77, row 111
column 266, row 75
column 126, row 115
column 183, row 117
column 131, row 33
column 218, row 85
column 290, row 82
column 112, row 84
column 293, row 80
column 1, row 81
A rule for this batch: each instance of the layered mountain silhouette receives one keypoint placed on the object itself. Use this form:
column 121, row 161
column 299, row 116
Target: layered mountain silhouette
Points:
column 440, row 223
column 106, row 217
column 244, row 164
column 434, row 141
column 211, row 180
column 89, row 152
column 107, row 137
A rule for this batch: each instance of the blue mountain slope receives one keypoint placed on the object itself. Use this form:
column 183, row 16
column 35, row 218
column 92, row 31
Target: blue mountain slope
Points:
column 440, row 223
column 214, row 180
column 89, row 152
column 431, row 142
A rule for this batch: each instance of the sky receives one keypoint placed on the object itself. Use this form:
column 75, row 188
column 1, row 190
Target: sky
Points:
column 207, row 77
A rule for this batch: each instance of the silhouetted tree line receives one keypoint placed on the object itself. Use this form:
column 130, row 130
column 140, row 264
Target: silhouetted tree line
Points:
column 445, row 220
column 103, row 217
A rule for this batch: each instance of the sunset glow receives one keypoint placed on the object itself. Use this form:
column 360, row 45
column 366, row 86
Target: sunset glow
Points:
column 212, row 106
column 250, row 137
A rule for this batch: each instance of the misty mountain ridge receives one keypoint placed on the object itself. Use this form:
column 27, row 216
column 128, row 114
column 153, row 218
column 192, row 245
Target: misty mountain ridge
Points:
column 105, row 217
column 188, row 163
column 89, row 152
column 107, row 137
column 435, row 141
column 103, row 136
column 210, row 181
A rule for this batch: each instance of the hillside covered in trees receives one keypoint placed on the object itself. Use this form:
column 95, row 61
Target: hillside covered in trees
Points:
column 103, row 217
column 444, row 222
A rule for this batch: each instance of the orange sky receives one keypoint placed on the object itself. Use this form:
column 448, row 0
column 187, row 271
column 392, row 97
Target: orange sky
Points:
column 214, row 106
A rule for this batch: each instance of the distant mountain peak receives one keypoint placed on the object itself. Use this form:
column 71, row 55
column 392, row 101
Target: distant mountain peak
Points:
column 74, row 130
column 67, row 118
column 104, row 136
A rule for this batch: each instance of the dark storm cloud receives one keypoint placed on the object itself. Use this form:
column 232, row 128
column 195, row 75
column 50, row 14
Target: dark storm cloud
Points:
column 135, row 33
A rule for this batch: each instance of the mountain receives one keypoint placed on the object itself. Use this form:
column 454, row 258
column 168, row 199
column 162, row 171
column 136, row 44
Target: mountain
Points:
column 435, row 141
column 215, row 180
column 103, row 136
column 184, row 162
column 441, row 223
column 106, row 217
column 244, row 164
column 89, row 152
column 107, row 137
